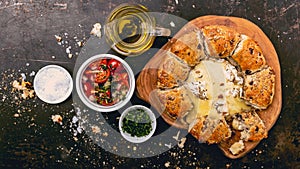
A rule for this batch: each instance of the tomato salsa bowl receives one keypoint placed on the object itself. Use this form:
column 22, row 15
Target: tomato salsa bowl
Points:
column 105, row 83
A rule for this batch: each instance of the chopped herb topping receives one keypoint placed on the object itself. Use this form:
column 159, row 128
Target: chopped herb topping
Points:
column 137, row 123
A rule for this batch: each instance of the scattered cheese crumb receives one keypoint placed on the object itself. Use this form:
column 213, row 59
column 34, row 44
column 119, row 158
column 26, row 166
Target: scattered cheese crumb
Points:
column 70, row 55
column 32, row 74
column 23, row 76
column 68, row 49
column 57, row 119
column 172, row 24
column 237, row 147
column 168, row 145
column 96, row 30
column 177, row 136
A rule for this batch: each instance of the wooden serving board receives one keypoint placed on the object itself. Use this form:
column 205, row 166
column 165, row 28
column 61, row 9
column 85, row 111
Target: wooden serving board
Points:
column 146, row 82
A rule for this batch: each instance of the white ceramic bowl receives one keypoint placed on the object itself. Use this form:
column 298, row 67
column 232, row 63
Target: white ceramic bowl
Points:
column 93, row 105
column 136, row 139
column 53, row 84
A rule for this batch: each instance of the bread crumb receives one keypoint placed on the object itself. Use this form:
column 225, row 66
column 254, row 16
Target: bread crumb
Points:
column 105, row 134
column 57, row 119
column 24, row 87
column 181, row 142
column 16, row 115
column 58, row 38
column 237, row 147
column 96, row 30
column 95, row 129
column 167, row 164
column 80, row 44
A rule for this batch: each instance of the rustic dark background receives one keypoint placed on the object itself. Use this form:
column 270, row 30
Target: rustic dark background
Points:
column 30, row 139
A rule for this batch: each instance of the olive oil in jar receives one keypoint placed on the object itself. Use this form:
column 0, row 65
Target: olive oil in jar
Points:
column 129, row 29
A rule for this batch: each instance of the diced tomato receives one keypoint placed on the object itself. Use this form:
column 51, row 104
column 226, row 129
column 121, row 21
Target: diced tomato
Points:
column 113, row 64
column 102, row 75
column 103, row 62
column 108, row 93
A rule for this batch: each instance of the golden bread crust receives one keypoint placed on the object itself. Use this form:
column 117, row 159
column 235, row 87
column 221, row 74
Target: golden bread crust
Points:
column 197, row 127
column 221, row 40
column 222, row 132
column 188, row 48
column 249, row 55
column 259, row 87
column 212, row 132
column 175, row 101
column 171, row 72
column 252, row 128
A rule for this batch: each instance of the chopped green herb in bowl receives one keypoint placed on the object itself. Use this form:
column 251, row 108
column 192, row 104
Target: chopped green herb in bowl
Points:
column 137, row 124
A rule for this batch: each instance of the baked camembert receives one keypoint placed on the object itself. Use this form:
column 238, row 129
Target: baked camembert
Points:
column 213, row 81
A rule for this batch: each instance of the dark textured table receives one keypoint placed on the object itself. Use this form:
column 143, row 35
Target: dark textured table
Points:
column 30, row 139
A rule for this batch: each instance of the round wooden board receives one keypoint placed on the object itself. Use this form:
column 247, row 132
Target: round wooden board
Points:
column 146, row 82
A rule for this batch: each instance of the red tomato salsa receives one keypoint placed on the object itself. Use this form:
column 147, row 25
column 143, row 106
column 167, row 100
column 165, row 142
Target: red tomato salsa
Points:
column 105, row 82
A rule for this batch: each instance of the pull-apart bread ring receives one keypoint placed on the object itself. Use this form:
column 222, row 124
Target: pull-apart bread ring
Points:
column 213, row 81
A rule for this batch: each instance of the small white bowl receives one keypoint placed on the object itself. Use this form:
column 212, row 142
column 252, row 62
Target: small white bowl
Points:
column 53, row 84
column 136, row 139
column 96, row 106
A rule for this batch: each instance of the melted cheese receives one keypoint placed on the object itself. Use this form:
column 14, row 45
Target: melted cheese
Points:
column 202, row 105
column 219, row 83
